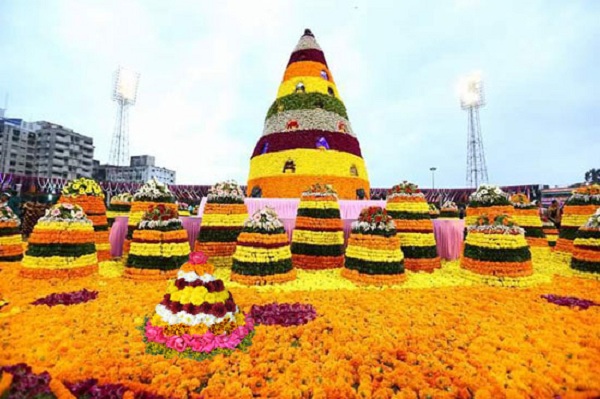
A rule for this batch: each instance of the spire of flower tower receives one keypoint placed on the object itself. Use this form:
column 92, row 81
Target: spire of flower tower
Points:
column 307, row 137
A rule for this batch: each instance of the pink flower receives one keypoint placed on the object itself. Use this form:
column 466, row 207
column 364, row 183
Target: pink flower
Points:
column 198, row 258
column 155, row 334
column 177, row 343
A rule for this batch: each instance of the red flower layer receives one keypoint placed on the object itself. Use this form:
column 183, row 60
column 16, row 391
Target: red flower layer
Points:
column 211, row 286
column 217, row 309
column 307, row 139
column 310, row 54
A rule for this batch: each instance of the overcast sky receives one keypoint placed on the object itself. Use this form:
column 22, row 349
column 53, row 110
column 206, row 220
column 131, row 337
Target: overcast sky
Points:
column 210, row 70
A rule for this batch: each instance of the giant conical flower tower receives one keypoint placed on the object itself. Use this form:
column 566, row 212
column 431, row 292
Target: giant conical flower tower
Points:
column 307, row 137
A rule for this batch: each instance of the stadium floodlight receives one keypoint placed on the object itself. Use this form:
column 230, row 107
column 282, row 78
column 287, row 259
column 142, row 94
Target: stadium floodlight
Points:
column 470, row 91
column 125, row 90
column 126, row 85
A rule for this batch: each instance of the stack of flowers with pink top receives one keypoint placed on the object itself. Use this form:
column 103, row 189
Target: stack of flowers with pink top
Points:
column 197, row 317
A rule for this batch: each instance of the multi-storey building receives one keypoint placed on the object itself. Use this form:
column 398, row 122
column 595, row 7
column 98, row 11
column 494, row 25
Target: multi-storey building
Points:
column 62, row 153
column 44, row 149
column 141, row 169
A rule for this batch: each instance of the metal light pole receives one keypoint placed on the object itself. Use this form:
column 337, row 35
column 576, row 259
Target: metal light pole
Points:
column 433, row 169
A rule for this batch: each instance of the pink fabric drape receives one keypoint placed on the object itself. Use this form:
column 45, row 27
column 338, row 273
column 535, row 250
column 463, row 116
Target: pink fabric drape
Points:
column 449, row 235
column 191, row 224
column 117, row 235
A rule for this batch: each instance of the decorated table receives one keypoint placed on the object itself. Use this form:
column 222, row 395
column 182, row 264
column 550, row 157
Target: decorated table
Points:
column 449, row 235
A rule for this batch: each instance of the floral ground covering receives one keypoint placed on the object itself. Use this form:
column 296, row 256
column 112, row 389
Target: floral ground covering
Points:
column 433, row 336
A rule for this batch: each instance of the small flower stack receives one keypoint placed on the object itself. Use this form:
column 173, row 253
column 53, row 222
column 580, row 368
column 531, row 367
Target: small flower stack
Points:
column 120, row 205
column 526, row 215
column 318, row 238
column 406, row 204
column 160, row 245
column 586, row 247
column 580, row 206
column 262, row 255
column 449, row 210
column 11, row 242
column 87, row 193
column 222, row 220
column 151, row 193
column 550, row 231
column 488, row 200
column 198, row 317
column 62, row 245
column 496, row 248
column 183, row 208
column 434, row 212
column 373, row 255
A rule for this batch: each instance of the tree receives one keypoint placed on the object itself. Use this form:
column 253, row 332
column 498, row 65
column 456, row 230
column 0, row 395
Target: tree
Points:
column 592, row 176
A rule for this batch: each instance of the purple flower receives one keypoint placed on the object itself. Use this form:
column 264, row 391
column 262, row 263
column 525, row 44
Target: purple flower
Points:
column 569, row 301
column 67, row 298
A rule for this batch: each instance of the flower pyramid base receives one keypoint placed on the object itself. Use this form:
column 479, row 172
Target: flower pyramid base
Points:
column 373, row 279
column 564, row 246
column 11, row 242
column 422, row 264
column 308, row 262
column 497, row 269
column 586, row 251
column 473, row 212
column 505, row 281
column 148, row 274
column 264, row 280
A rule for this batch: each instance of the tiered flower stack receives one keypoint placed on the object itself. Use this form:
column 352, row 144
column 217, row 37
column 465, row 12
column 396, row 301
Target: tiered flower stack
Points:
column 586, row 248
column 183, row 208
column 496, row 252
column 550, row 231
column 434, row 212
column 222, row 220
column 488, row 200
column 307, row 137
column 198, row 317
column 406, row 204
column 262, row 255
column 449, row 210
column 87, row 193
column 526, row 215
column 373, row 255
column 11, row 242
column 62, row 245
column 120, row 205
column 151, row 193
column 160, row 245
column 318, row 237
column 579, row 207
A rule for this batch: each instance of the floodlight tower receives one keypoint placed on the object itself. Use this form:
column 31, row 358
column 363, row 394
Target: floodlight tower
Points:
column 124, row 94
column 471, row 99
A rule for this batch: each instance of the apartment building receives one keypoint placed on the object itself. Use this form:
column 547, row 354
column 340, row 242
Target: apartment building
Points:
column 141, row 169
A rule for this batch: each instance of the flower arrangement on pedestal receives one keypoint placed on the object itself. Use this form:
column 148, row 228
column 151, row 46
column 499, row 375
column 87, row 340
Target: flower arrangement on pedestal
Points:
column 579, row 207
column 159, row 247
column 497, row 248
column 526, row 215
column 434, row 212
column 586, row 247
column 449, row 210
column 222, row 220
column 62, row 245
column 487, row 200
column 11, row 242
column 262, row 255
column 373, row 255
column 151, row 193
column 318, row 237
column 197, row 317
column 406, row 204
column 120, row 205
column 183, row 208
column 87, row 193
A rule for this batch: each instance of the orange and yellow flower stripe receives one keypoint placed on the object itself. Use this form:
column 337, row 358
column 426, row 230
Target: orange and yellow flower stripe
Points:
column 374, row 241
column 586, row 254
column 64, row 274
column 373, row 279
column 292, row 185
column 310, row 262
column 148, row 274
column 407, row 225
column 47, row 236
column 225, row 209
column 306, row 68
column 500, row 269
column 312, row 84
column 160, row 236
column 264, row 280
